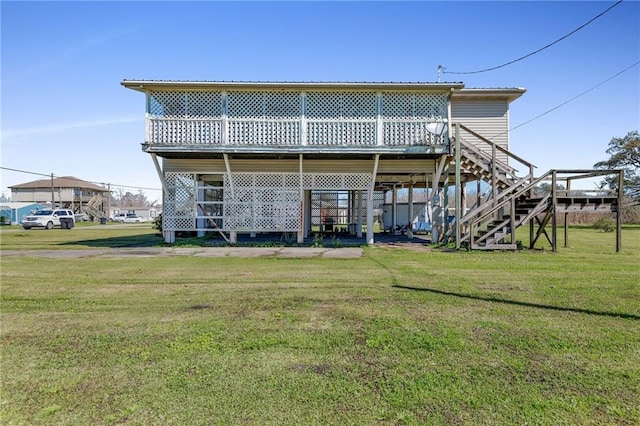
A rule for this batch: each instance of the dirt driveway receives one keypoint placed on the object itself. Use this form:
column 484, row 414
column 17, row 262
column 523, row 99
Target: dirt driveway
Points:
column 284, row 252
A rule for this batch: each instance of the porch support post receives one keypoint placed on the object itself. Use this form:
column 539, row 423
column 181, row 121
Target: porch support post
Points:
column 427, row 214
column 410, row 212
column 163, row 182
column 169, row 236
column 445, row 208
column 302, row 216
column 359, row 208
column 233, row 235
column 458, row 188
column 370, row 200
column 436, row 208
column 394, row 209
column 200, row 196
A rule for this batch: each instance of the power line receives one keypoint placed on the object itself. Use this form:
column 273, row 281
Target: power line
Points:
column 444, row 71
column 78, row 179
column 569, row 100
column 576, row 97
column 24, row 171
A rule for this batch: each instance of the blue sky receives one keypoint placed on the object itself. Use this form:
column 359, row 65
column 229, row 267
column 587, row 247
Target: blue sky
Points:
column 64, row 111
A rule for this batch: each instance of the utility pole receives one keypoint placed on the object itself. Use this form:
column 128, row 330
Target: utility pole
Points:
column 52, row 194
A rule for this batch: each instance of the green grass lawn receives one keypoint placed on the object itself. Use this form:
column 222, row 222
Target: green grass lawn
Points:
column 395, row 337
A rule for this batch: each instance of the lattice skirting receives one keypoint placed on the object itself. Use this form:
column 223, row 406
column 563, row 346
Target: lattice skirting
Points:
column 252, row 202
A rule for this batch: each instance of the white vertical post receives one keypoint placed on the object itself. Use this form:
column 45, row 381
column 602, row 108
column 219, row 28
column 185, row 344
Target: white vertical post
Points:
column 394, row 209
column 224, row 127
column 359, row 208
column 200, row 197
column 379, row 123
column 410, row 212
column 302, row 215
column 370, row 200
column 169, row 236
column 233, row 235
column 147, row 128
column 303, row 118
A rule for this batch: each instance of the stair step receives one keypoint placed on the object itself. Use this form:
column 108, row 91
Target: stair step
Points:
column 494, row 247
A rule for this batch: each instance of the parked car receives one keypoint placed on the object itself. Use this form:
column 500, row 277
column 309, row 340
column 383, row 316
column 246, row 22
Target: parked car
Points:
column 119, row 217
column 133, row 218
column 82, row 217
column 128, row 218
column 48, row 218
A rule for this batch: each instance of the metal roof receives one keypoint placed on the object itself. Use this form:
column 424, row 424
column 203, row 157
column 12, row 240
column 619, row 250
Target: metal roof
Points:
column 457, row 89
column 20, row 204
column 510, row 93
column 60, row 182
column 142, row 85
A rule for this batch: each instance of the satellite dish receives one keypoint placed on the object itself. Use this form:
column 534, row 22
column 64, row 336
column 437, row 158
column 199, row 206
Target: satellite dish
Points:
column 437, row 127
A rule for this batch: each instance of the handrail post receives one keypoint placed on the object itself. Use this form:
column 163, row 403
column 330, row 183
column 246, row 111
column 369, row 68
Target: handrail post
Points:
column 512, row 222
column 619, row 211
column 566, row 217
column 554, row 224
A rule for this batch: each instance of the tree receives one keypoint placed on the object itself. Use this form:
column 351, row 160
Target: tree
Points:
column 127, row 199
column 624, row 154
column 545, row 188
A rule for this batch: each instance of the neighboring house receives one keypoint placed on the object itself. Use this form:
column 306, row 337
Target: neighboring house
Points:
column 65, row 192
column 303, row 157
column 13, row 212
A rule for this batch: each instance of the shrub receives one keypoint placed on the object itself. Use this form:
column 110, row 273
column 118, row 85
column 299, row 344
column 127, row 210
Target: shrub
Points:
column 157, row 223
column 317, row 241
column 336, row 243
column 605, row 224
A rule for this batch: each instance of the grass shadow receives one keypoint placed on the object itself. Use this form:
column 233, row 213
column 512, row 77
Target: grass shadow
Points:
column 518, row 303
column 145, row 240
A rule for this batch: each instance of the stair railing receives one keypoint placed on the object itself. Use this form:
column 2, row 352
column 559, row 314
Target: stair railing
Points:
column 495, row 147
column 483, row 214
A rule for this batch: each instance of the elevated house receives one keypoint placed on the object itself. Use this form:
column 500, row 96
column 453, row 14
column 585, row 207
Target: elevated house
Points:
column 65, row 192
column 303, row 157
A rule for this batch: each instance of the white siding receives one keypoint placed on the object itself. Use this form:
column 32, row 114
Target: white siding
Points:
column 36, row 195
column 488, row 118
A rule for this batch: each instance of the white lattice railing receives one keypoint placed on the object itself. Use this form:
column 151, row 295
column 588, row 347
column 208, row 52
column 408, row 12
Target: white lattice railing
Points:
column 410, row 133
column 344, row 132
column 331, row 118
column 264, row 132
column 165, row 131
column 172, row 131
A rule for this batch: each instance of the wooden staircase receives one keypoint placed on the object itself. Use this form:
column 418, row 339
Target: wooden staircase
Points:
column 95, row 208
column 514, row 201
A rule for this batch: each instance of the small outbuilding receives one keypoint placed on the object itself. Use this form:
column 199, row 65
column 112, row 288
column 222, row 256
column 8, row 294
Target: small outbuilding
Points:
column 13, row 212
